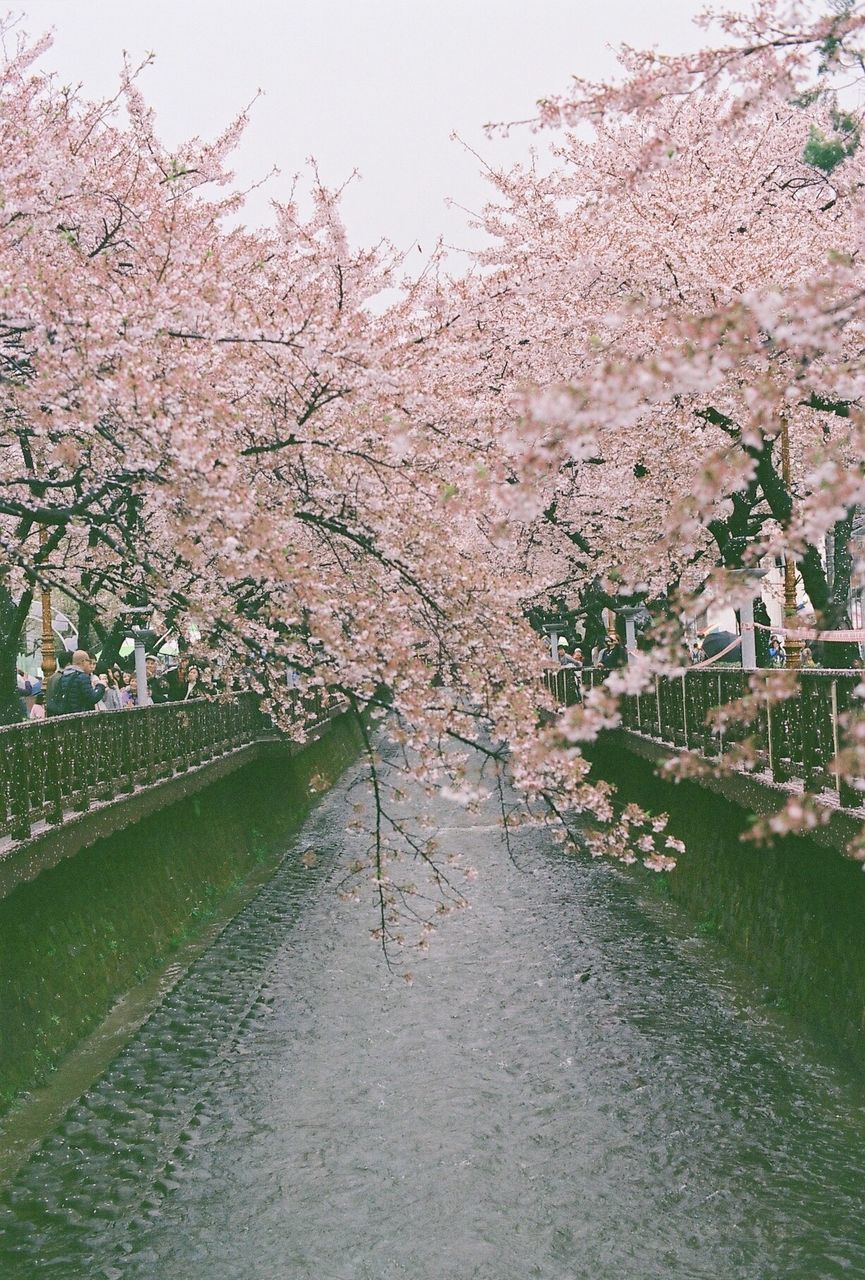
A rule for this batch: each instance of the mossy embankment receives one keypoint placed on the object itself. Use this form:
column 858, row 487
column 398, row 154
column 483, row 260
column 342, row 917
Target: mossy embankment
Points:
column 85, row 932
column 793, row 911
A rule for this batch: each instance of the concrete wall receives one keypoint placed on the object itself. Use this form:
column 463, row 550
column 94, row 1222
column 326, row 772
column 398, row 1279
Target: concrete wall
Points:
column 85, row 931
column 793, row 912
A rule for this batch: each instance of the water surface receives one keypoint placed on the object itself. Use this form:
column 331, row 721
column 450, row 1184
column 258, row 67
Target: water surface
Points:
column 577, row 1085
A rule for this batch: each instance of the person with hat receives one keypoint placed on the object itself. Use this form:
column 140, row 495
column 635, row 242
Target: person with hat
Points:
column 156, row 686
column 565, row 658
column 613, row 654
column 572, row 662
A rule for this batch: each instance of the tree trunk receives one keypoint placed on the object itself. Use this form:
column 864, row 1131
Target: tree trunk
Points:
column 12, row 619
column 761, row 638
column 86, row 614
column 830, row 605
column 111, row 642
column 837, row 616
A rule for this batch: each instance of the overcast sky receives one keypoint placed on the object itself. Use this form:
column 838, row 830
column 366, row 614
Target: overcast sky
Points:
column 373, row 85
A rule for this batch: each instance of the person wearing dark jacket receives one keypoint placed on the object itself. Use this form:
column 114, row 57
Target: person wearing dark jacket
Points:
column 614, row 654
column 176, row 679
column 64, row 657
column 78, row 691
column 156, row 685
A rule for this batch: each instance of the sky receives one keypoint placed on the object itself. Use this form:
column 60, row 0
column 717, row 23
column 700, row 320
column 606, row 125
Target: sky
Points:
column 377, row 86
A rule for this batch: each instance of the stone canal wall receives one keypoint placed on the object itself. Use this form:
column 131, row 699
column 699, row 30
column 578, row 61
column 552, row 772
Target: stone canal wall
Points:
column 84, row 932
column 794, row 912
column 111, row 918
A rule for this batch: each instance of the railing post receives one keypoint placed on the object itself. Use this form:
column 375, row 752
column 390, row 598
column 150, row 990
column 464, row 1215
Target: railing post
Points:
column 148, row 744
column 796, row 731
column 19, row 791
column 686, row 743
column 812, row 770
column 136, row 747
column 167, row 732
column 207, row 731
column 201, row 743
column 125, row 728
column 81, row 765
column 5, row 790
column 848, row 796
column 822, row 709
column 782, row 770
column 101, row 727
column 836, row 737
column 770, row 746
column 701, row 702
column 50, row 731
column 181, row 740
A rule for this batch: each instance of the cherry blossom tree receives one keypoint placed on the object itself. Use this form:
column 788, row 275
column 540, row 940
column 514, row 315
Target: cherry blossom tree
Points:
column 100, row 228
column 732, row 251
column 219, row 424
column 607, row 273
column 232, row 427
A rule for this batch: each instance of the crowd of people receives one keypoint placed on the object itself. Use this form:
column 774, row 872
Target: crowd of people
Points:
column 81, row 683
column 712, row 644
column 609, row 655
column 726, row 646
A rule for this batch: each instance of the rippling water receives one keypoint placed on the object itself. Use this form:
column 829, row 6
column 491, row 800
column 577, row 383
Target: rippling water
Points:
column 575, row 1087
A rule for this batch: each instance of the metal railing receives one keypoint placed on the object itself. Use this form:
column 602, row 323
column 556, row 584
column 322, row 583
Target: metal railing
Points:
column 49, row 768
column 797, row 737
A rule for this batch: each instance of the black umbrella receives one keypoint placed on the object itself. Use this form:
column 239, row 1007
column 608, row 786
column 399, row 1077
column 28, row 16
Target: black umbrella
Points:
column 715, row 641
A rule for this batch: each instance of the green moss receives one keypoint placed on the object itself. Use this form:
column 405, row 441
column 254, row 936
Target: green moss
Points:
column 84, row 933
column 794, row 912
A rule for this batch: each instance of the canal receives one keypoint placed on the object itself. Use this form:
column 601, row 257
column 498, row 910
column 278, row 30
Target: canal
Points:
column 580, row 1084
